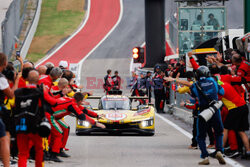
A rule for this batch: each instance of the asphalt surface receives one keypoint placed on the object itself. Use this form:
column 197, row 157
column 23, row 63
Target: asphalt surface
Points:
column 115, row 52
column 168, row 148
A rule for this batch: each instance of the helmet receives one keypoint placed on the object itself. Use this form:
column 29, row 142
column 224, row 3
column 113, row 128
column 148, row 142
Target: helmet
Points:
column 202, row 71
column 44, row 128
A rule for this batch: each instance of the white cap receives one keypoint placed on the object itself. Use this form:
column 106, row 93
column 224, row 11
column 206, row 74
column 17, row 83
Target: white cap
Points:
column 63, row 64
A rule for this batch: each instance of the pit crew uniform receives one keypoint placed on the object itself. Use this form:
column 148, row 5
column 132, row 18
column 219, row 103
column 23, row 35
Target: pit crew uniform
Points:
column 63, row 106
column 65, row 128
column 237, row 118
column 159, row 93
column 24, row 143
column 46, row 81
column 117, row 82
column 108, row 83
column 137, row 89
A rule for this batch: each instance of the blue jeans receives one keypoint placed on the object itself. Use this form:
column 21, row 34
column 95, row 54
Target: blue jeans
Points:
column 202, row 125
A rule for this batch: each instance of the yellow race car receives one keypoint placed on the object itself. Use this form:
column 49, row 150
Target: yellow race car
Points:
column 119, row 116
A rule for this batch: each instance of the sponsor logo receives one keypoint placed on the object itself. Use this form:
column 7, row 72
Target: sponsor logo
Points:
column 115, row 116
column 142, row 112
column 26, row 103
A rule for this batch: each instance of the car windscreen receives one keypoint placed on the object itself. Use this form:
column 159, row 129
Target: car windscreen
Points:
column 116, row 104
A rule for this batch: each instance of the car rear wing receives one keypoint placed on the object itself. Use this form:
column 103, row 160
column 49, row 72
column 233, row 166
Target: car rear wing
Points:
column 130, row 97
column 94, row 97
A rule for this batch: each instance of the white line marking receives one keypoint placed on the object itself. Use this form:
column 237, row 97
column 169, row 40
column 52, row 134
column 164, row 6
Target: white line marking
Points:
column 186, row 133
column 120, row 17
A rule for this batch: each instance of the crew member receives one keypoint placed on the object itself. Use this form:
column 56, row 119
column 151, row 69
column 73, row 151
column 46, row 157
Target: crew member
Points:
column 117, row 81
column 24, row 138
column 159, row 92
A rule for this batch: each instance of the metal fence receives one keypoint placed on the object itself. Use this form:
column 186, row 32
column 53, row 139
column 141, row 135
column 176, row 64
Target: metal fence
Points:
column 176, row 98
column 12, row 25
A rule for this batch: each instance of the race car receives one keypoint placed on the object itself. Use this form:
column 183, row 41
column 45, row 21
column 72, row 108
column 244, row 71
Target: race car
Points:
column 119, row 116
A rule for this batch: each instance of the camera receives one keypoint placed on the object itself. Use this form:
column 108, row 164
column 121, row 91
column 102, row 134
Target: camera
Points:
column 18, row 53
column 209, row 112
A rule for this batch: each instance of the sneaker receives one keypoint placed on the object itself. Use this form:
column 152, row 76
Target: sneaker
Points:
column 213, row 154
column 220, row 158
column 232, row 153
column 192, row 147
column 63, row 154
column 66, row 149
column 46, row 156
column 227, row 149
column 211, row 146
column 53, row 157
column 204, row 161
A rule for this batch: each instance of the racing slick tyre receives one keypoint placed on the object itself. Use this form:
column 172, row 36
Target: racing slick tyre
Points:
column 149, row 133
column 82, row 133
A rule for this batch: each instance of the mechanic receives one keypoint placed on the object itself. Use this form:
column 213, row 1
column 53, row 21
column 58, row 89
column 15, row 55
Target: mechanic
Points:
column 42, row 70
column 49, row 66
column 138, row 88
column 61, row 107
column 237, row 118
column 117, row 81
column 108, row 82
column 159, row 92
column 47, row 81
column 24, row 137
column 149, row 84
column 58, row 91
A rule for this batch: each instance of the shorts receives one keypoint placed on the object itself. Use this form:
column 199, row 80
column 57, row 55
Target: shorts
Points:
column 2, row 128
column 237, row 119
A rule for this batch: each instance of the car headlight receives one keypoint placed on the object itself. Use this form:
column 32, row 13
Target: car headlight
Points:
column 147, row 123
column 83, row 123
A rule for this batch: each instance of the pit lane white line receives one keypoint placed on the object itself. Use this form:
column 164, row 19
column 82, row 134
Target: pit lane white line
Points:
column 187, row 134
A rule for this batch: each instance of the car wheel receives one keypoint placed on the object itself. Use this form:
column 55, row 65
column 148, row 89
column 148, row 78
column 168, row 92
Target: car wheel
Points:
column 149, row 133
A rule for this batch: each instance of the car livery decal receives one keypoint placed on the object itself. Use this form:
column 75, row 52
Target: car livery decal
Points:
column 142, row 112
column 116, row 116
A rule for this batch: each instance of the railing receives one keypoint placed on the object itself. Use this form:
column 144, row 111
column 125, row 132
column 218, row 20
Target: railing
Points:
column 12, row 25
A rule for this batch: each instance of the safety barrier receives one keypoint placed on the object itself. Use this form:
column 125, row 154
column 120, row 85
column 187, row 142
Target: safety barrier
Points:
column 28, row 39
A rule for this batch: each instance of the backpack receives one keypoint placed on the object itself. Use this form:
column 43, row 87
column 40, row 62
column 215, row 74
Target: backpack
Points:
column 27, row 114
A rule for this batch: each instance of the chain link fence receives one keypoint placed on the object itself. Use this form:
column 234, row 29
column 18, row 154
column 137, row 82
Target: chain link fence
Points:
column 12, row 25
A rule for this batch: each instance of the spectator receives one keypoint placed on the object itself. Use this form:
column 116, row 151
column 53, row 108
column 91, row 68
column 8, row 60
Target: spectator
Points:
column 5, row 90
column 213, row 22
